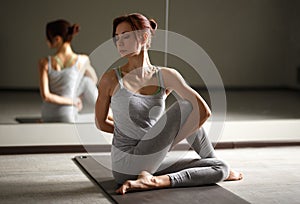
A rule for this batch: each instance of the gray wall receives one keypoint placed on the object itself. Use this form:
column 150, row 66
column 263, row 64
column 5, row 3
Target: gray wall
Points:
column 292, row 71
column 253, row 43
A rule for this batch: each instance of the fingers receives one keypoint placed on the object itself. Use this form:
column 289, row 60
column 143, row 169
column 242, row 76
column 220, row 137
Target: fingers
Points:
column 78, row 104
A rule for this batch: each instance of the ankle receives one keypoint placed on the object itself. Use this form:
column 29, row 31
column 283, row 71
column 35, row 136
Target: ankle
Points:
column 161, row 181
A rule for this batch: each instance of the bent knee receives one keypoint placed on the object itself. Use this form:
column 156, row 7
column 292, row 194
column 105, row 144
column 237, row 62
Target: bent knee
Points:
column 185, row 105
column 224, row 169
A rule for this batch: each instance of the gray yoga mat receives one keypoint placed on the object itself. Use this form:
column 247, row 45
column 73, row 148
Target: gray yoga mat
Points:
column 28, row 119
column 82, row 118
column 98, row 172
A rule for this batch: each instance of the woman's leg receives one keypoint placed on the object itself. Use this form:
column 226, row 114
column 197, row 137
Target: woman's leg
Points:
column 87, row 90
column 195, row 172
column 199, row 171
column 163, row 133
column 201, row 144
column 151, row 150
column 150, row 153
column 186, row 172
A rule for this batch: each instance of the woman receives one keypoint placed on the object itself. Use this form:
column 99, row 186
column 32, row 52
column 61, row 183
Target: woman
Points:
column 66, row 77
column 142, row 133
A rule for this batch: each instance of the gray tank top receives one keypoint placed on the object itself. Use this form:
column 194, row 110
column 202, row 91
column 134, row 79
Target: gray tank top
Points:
column 63, row 83
column 134, row 114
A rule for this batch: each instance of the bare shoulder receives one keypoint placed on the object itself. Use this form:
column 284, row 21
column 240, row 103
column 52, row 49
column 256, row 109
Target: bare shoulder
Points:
column 43, row 63
column 170, row 73
column 83, row 56
column 172, row 79
column 108, row 80
column 109, row 75
column 83, row 59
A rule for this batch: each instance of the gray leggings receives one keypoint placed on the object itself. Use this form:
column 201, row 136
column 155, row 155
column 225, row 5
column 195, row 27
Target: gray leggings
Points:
column 150, row 153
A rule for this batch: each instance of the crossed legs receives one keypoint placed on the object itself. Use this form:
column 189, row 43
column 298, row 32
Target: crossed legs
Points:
column 206, row 169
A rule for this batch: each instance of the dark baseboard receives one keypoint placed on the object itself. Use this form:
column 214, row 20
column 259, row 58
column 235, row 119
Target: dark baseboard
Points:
column 247, row 88
column 198, row 88
column 10, row 150
column 12, row 89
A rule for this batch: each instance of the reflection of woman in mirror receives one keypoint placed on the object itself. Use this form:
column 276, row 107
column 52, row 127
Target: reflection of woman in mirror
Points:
column 66, row 79
column 143, row 132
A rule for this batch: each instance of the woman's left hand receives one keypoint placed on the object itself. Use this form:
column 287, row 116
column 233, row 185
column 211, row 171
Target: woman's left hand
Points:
column 78, row 104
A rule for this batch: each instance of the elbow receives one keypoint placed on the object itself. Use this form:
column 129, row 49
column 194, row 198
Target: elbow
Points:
column 45, row 97
column 204, row 115
column 99, row 125
column 102, row 127
column 208, row 113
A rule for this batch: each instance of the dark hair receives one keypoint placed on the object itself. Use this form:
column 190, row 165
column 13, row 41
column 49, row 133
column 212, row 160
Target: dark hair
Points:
column 61, row 28
column 137, row 21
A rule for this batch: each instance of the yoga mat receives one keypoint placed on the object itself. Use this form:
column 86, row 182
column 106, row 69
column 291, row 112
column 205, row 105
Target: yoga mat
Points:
column 103, row 177
column 28, row 119
column 82, row 118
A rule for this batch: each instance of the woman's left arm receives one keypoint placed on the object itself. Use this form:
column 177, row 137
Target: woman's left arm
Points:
column 201, row 112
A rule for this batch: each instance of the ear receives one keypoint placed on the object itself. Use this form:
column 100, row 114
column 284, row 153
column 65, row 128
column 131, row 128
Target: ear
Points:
column 57, row 40
column 144, row 38
column 48, row 43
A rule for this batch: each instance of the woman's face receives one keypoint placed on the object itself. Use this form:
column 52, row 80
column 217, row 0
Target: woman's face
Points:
column 126, row 40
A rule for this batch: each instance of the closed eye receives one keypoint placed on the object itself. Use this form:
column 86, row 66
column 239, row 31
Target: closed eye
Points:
column 124, row 35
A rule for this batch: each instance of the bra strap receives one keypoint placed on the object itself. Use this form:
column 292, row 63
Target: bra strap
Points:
column 119, row 76
column 77, row 61
column 161, row 81
column 69, row 62
column 49, row 64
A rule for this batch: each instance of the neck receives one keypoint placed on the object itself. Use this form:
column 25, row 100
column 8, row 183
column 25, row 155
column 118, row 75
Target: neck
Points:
column 65, row 49
column 141, row 62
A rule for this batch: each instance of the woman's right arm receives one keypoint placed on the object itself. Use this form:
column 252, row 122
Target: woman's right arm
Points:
column 102, row 119
column 44, row 87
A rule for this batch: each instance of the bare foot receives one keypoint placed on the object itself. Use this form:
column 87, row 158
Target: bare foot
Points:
column 145, row 181
column 234, row 176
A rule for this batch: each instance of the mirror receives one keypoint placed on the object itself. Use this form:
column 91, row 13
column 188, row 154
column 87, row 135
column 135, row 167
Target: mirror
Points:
column 24, row 42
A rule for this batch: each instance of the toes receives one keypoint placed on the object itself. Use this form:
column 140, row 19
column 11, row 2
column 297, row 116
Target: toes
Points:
column 119, row 190
column 123, row 189
column 234, row 176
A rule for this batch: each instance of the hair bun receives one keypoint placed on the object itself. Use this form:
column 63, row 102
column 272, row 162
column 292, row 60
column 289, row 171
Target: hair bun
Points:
column 153, row 24
column 76, row 28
